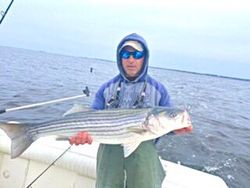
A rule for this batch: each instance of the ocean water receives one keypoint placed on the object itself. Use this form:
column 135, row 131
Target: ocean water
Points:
column 219, row 107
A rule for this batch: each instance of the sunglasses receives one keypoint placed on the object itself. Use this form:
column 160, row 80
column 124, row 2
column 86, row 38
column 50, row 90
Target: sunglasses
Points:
column 136, row 54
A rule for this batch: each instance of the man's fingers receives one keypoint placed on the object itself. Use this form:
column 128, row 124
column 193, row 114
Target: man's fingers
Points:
column 72, row 140
column 90, row 140
column 81, row 138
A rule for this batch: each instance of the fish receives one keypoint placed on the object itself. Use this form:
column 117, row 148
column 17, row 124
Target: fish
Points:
column 127, row 127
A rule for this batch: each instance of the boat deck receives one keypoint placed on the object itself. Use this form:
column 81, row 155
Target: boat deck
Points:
column 77, row 168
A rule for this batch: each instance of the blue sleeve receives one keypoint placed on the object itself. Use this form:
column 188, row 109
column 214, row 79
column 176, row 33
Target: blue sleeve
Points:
column 164, row 101
column 99, row 101
column 165, row 98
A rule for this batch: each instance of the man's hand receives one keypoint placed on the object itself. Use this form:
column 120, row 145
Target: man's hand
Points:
column 184, row 130
column 82, row 137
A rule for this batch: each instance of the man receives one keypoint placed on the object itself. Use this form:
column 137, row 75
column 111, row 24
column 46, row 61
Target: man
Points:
column 132, row 88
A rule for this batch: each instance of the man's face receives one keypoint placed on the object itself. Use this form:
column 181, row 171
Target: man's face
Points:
column 131, row 65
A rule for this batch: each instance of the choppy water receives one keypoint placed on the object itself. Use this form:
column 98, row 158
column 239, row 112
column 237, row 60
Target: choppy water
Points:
column 220, row 107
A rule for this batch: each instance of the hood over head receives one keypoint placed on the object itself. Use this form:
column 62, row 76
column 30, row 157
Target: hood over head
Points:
column 133, row 40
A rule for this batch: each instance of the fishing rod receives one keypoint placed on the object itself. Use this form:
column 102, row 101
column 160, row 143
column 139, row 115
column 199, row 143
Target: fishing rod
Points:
column 3, row 13
column 29, row 186
column 86, row 93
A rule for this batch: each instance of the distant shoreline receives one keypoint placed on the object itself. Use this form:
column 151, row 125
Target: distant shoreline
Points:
column 110, row 61
column 207, row 74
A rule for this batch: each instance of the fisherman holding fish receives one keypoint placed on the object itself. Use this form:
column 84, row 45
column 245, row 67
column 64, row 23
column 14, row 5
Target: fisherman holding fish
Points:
column 132, row 88
column 129, row 112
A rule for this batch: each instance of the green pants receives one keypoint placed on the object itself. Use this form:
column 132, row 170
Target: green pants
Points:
column 142, row 169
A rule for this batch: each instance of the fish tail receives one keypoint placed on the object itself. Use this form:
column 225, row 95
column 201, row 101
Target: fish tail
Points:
column 20, row 139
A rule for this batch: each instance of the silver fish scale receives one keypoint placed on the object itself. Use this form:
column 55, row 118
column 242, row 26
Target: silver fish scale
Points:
column 98, row 115
column 103, row 124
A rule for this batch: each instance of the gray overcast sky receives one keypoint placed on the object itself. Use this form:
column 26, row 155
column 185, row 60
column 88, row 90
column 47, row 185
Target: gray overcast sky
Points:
column 208, row 36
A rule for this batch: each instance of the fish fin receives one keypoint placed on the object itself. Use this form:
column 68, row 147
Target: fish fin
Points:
column 62, row 138
column 137, row 130
column 20, row 140
column 129, row 148
column 77, row 108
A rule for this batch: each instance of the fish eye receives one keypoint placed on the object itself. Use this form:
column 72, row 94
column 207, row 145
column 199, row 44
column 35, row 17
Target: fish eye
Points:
column 172, row 114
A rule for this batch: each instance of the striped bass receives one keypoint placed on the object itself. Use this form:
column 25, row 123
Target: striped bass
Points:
column 128, row 127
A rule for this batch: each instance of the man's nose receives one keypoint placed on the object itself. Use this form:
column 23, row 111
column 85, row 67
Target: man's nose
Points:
column 131, row 59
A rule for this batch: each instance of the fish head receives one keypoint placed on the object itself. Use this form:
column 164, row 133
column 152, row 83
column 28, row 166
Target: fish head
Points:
column 162, row 120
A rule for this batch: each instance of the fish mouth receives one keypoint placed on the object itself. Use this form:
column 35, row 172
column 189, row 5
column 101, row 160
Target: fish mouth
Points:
column 186, row 119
